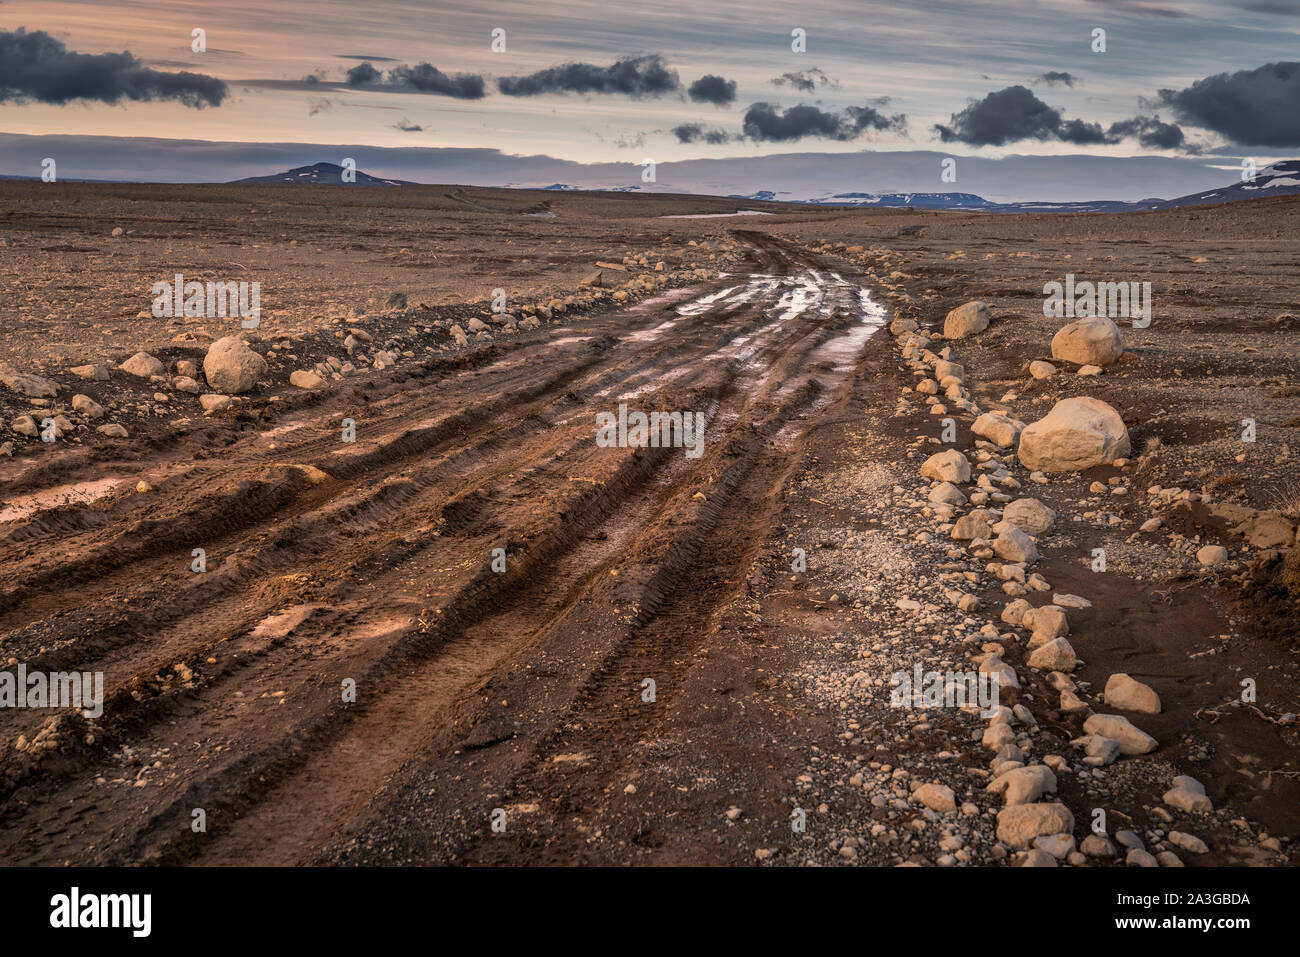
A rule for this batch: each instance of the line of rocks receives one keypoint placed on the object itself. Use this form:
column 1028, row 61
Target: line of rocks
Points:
column 1004, row 532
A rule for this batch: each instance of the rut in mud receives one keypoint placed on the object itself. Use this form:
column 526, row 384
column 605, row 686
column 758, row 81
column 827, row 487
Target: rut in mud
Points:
column 371, row 562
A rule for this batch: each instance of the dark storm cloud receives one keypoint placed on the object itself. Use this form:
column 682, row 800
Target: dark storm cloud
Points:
column 766, row 121
column 806, row 81
column 429, row 79
column 1259, row 107
column 713, row 89
column 694, row 133
column 36, row 66
column 633, row 76
column 1057, row 78
column 422, row 78
column 1151, row 132
column 363, row 73
column 1082, row 133
column 1013, row 114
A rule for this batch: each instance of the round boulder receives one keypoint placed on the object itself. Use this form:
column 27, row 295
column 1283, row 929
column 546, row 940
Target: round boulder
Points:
column 231, row 367
column 966, row 320
column 1077, row 434
column 1088, row 342
column 1030, row 515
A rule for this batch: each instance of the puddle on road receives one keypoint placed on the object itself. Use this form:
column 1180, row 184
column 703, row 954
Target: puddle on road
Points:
column 742, row 212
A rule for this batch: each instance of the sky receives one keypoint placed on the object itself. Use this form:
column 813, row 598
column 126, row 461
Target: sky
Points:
column 603, row 81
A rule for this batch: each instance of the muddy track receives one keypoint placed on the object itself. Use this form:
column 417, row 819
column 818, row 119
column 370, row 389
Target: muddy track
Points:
column 371, row 562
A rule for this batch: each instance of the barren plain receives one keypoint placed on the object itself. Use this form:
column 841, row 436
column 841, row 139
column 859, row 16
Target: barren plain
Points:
column 437, row 622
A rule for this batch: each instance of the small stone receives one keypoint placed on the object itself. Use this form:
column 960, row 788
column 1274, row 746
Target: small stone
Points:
column 1038, row 858
column 947, row 466
column 1019, row 824
column 1055, row 655
column 1030, row 515
column 305, row 379
column 1212, row 555
column 96, row 372
column 1128, row 694
column 87, row 406
column 1023, row 785
column 1131, row 739
column 143, row 365
column 1188, row 842
column 937, row 797
column 1013, row 545
column 1095, row 845
column 1188, row 795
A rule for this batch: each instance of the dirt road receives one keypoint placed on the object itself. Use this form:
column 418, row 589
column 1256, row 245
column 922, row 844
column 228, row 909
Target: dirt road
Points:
column 369, row 564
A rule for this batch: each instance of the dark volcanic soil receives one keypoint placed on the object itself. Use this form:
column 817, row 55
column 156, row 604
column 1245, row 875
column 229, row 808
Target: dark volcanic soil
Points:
column 648, row 680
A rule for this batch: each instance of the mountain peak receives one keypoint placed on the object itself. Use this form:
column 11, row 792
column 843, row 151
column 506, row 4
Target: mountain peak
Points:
column 324, row 174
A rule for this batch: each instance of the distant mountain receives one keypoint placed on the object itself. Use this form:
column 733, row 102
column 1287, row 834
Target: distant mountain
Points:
column 1280, row 179
column 915, row 200
column 326, row 174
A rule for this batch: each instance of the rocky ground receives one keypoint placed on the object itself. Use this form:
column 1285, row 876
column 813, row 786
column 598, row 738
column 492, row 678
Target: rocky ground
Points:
column 1079, row 515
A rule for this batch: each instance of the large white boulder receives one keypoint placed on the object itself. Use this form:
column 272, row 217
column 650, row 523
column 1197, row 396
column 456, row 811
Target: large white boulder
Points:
column 966, row 320
column 1077, row 434
column 231, row 367
column 1089, row 342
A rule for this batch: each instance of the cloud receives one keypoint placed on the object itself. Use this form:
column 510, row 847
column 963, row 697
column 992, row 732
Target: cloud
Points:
column 805, row 81
column 1152, row 133
column 1283, row 7
column 1259, row 107
column 36, row 66
column 766, row 121
column 1013, row 114
column 316, row 106
column 694, row 133
column 1057, row 78
column 713, row 89
column 633, row 76
column 1144, row 9
column 363, row 74
column 422, row 78
column 429, row 79
column 406, row 126
column 363, row 56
